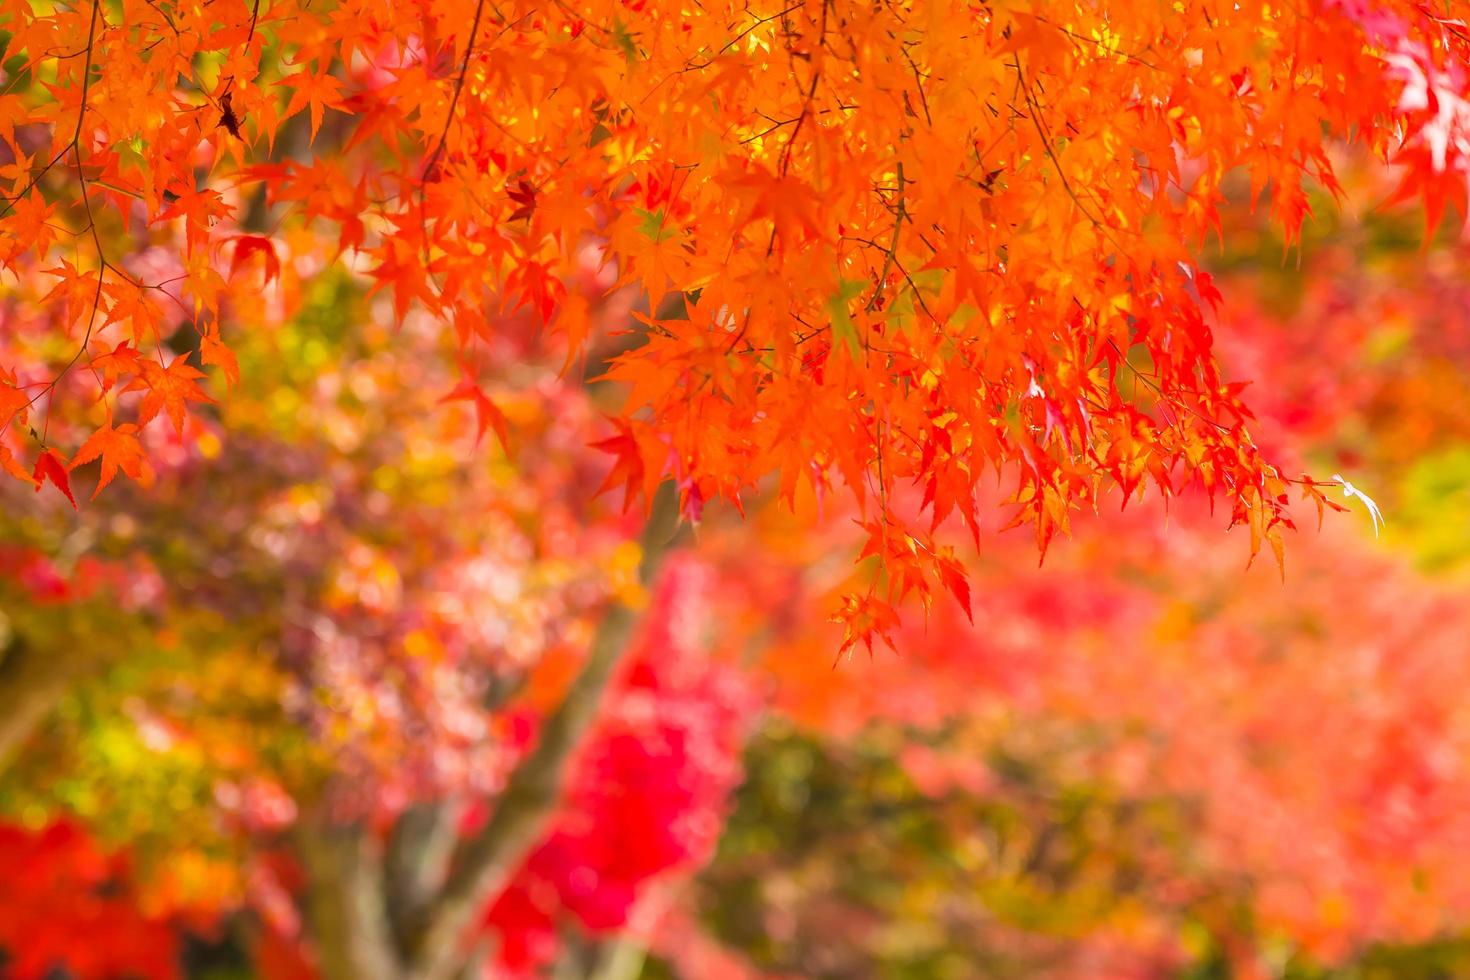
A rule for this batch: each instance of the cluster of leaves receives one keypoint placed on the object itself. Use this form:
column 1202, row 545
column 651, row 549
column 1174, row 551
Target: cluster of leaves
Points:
column 1140, row 763
column 1379, row 366
column 882, row 248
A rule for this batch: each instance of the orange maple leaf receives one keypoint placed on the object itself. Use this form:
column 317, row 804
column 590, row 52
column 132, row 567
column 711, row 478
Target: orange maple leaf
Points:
column 13, row 402
column 952, row 573
column 320, row 91
column 111, row 363
column 487, row 413
column 131, row 304
column 212, row 350
column 169, row 389
column 11, row 465
column 200, row 209
column 118, row 449
column 790, row 203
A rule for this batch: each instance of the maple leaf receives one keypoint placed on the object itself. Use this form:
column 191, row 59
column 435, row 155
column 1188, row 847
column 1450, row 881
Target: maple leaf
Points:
column 204, row 283
column 30, row 223
column 77, row 288
column 11, row 465
column 524, row 196
column 200, row 209
column 865, row 618
column 654, row 253
column 248, row 245
column 535, row 285
column 228, row 119
column 118, row 449
column 213, row 351
column 788, row 202
column 573, row 319
column 121, row 359
column 169, row 389
column 129, row 303
column 13, row 112
column 628, row 469
column 51, row 466
column 319, row 90
column 13, row 403
column 843, row 328
column 952, row 573
column 487, row 413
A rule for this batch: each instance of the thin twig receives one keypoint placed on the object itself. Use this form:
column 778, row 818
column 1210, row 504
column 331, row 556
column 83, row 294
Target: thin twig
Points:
column 76, row 147
column 891, row 255
column 433, row 161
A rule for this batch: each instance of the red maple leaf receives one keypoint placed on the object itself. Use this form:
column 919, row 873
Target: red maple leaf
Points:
column 50, row 465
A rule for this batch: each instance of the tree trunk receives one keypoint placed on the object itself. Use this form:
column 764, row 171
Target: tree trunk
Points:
column 351, row 908
column 31, row 683
column 482, row 865
column 346, row 905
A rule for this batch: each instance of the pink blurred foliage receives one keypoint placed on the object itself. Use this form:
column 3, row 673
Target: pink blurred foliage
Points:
column 649, row 791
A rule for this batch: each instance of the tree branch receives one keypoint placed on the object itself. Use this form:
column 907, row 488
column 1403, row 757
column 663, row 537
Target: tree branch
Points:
column 416, row 861
column 621, row 959
column 891, row 254
column 483, row 864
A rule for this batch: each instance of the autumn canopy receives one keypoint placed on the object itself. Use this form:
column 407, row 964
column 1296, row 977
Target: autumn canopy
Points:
column 886, row 249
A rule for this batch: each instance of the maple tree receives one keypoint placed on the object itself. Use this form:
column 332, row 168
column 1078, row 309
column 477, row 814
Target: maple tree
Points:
column 1074, row 660
column 264, row 673
column 288, row 268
